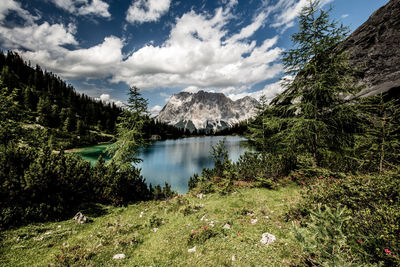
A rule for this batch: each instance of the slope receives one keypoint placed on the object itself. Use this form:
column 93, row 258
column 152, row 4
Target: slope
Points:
column 131, row 231
column 51, row 104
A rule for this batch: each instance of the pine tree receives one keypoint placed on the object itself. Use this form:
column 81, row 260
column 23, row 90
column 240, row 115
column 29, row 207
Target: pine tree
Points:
column 311, row 116
column 129, row 130
column 257, row 128
column 44, row 111
column 379, row 146
column 10, row 115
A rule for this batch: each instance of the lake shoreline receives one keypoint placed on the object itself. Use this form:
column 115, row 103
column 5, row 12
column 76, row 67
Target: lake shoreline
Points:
column 174, row 161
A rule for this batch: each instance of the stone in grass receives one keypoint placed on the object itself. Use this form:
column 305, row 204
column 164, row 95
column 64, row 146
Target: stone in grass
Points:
column 80, row 218
column 201, row 195
column 191, row 250
column 254, row 221
column 227, row 226
column 267, row 239
column 119, row 256
column 155, row 230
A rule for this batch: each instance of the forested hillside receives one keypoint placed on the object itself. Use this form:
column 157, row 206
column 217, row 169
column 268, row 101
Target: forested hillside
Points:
column 71, row 118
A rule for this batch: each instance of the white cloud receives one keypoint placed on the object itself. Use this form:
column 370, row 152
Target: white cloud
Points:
column 155, row 110
column 35, row 37
column 249, row 30
column 270, row 91
column 10, row 5
column 191, row 89
column 344, row 16
column 99, row 61
column 44, row 45
column 106, row 98
column 285, row 12
column 147, row 10
column 200, row 53
column 84, row 7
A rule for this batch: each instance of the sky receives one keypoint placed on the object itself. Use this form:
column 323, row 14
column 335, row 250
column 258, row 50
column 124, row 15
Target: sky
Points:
column 163, row 47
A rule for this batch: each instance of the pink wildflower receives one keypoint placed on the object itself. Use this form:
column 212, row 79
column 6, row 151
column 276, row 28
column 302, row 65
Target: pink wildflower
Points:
column 388, row 252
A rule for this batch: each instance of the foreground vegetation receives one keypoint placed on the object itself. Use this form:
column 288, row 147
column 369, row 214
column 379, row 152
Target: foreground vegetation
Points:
column 317, row 220
column 182, row 223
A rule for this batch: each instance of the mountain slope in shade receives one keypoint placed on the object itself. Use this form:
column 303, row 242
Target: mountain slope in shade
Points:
column 206, row 111
column 374, row 50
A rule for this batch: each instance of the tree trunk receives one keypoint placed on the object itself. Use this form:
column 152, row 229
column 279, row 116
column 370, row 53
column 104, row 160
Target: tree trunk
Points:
column 315, row 164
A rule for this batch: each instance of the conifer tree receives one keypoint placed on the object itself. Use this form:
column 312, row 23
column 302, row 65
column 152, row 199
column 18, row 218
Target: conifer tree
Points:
column 257, row 128
column 311, row 116
column 379, row 146
column 10, row 114
column 129, row 130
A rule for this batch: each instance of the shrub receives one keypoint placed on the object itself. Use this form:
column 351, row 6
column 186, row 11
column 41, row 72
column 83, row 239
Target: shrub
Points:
column 308, row 176
column 264, row 183
column 193, row 181
column 155, row 222
column 201, row 235
column 374, row 202
column 41, row 185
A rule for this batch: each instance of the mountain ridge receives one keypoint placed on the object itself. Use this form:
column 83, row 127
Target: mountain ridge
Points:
column 206, row 111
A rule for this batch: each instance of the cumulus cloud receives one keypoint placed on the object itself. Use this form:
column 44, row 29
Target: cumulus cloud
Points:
column 200, row 53
column 106, row 98
column 147, row 10
column 36, row 37
column 99, row 61
column 10, row 5
column 84, row 7
column 44, row 44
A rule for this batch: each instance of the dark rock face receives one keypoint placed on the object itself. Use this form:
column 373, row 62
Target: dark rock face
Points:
column 374, row 50
column 206, row 111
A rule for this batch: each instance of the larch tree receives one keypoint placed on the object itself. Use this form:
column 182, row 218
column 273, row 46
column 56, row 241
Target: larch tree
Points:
column 311, row 116
column 130, row 131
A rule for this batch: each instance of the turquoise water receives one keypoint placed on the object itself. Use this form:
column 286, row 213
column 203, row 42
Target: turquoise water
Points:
column 174, row 161
column 92, row 153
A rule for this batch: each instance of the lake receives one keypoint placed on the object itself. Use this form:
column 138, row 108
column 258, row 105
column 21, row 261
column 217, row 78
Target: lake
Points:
column 175, row 161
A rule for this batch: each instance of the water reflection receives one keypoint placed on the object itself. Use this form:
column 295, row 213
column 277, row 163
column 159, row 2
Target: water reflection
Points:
column 174, row 161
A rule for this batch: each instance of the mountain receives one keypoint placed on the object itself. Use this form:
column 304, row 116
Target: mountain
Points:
column 374, row 50
column 206, row 111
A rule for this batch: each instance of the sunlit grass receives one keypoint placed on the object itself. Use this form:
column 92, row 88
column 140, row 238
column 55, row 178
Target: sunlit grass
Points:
column 123, row 230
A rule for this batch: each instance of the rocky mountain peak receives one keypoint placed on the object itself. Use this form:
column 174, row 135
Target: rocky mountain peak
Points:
column 206, row 111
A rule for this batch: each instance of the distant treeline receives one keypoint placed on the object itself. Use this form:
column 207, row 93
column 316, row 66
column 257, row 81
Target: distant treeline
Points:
column 55, row 105
column 69, row 118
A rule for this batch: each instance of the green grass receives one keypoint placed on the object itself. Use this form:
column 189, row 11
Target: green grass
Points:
column 122, row 230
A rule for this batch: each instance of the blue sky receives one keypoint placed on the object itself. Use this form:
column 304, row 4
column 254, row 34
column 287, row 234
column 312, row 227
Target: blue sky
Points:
column 163, row 46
